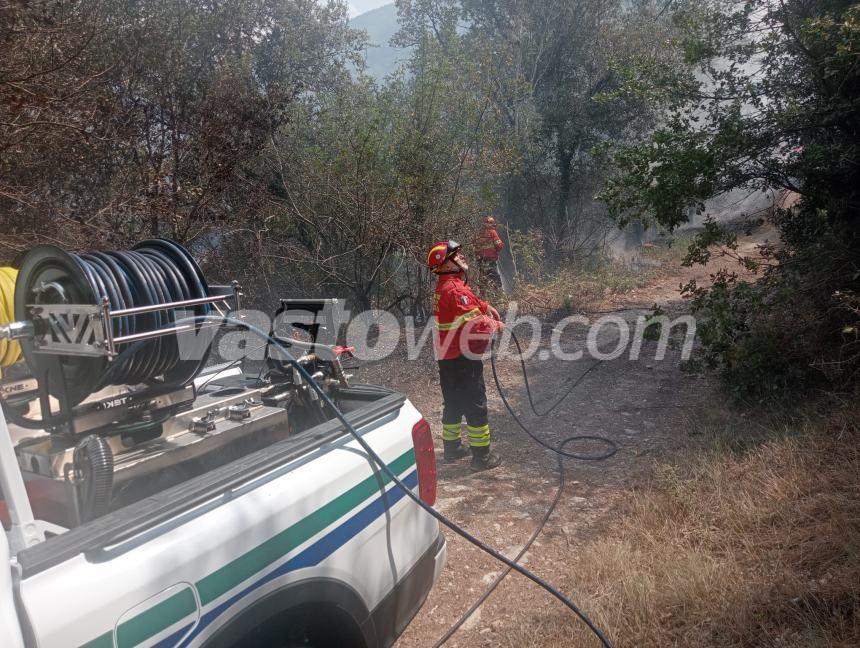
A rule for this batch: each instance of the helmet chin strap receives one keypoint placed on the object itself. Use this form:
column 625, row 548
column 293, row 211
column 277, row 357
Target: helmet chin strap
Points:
column 462, row 271
column 465, row 274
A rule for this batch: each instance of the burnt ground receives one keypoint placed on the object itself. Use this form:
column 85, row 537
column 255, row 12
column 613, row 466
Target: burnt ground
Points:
column 643, row 405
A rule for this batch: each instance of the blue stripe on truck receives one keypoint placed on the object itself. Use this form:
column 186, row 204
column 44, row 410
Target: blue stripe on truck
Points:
column 310, row 557
column 150, row 622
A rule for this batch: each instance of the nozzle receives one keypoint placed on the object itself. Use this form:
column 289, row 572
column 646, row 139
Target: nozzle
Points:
column 17, row 331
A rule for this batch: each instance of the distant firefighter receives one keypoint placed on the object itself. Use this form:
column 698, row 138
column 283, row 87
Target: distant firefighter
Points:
column 489, row 244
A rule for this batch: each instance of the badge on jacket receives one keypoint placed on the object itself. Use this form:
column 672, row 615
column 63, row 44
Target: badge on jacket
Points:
column 464, row 300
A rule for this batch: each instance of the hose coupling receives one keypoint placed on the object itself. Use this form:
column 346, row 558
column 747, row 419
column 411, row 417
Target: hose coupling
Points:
column 17, row 331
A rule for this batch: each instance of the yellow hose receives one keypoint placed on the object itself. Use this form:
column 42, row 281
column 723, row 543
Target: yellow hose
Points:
column 10, row 352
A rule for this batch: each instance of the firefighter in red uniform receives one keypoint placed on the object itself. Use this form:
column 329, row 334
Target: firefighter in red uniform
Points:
column 489, row 244
column 464, row 326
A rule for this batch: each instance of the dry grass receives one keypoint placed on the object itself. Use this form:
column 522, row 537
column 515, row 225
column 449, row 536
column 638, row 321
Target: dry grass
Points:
column 581, row 287
column 752, row 548
column 577, row 289
column 670, row 250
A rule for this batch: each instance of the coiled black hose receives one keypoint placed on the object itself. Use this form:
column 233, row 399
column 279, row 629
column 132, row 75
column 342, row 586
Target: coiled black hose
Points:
column 93, row 465
column 155, row 272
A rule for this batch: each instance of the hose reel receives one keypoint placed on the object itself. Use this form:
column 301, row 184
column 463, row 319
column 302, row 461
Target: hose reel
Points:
column 113, row 318
column 10, row 350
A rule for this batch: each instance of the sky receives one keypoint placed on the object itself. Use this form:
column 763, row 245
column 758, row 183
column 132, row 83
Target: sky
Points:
column 357, row 7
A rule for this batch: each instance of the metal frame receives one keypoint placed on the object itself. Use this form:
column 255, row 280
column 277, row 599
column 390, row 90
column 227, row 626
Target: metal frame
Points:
column 71, row 329
column 26, row 530
column 68, row 329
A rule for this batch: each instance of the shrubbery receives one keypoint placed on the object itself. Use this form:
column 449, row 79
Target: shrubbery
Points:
column 796, row 327
column 773, row 105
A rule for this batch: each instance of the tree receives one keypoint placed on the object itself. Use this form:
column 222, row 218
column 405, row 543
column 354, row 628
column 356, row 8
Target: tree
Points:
column 126, row 119
column 550, row 69
column 774, row 105
column 367, row 178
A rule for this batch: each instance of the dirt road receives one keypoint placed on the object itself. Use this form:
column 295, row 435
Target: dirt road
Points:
column 643, row 405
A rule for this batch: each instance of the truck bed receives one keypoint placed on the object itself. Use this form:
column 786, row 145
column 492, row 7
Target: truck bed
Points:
column 371, row 404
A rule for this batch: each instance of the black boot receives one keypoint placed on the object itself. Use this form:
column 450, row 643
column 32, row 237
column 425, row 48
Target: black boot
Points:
column 483, row 459
column 454, row 450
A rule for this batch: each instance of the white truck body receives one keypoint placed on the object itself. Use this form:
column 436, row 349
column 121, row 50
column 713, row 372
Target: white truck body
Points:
column 305, row 528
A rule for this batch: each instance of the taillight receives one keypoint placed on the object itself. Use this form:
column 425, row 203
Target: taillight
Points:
column 425, row 461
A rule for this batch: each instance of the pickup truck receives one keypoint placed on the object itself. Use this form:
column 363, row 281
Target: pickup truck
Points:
column 300, row 543
column 227, row 509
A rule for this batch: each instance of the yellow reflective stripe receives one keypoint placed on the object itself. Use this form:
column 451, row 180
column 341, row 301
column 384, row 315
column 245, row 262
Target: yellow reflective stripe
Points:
column 450, row 431
column 457, row 323
column 479, row 437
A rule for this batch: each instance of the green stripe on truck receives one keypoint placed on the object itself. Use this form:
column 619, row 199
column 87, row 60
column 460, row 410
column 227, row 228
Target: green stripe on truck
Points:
column 163, row 615
column 230, row 575
column 105, row 641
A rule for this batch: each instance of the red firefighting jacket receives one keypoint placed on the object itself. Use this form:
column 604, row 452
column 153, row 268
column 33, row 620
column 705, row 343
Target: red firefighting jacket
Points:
column 463, row 325
column 489, row 244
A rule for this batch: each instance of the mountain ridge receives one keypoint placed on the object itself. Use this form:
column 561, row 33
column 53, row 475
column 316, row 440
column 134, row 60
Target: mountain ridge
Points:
column 381, row 25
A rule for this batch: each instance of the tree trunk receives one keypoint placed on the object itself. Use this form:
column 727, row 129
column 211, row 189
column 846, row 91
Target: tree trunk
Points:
column 564, row 156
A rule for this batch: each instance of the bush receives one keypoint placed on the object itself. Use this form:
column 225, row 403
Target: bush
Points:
column 795, row 329
column 527, row 250
column 769, row 102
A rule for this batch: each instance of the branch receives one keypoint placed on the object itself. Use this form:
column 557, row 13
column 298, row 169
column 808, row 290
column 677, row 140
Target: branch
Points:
column 56, row 67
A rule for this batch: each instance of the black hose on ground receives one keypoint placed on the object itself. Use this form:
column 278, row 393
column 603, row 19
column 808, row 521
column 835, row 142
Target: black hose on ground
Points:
column 556, row 449
column 384, row 468
column 560, row 453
